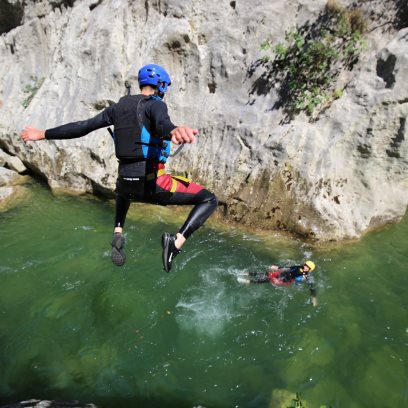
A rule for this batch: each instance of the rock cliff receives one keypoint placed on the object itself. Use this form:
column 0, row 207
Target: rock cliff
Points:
column 330, row 176
column 11, row 179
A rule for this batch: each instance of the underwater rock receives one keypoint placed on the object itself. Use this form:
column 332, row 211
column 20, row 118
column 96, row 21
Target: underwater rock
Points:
column 284, row 399
column 34, row 403
column 6, row 193
column 11, row 195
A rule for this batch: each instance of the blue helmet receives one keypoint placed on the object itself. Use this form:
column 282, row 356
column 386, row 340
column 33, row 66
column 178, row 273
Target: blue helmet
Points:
column 154, row 75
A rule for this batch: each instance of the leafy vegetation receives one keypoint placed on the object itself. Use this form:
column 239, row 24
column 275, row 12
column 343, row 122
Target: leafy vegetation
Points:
column 305, row 67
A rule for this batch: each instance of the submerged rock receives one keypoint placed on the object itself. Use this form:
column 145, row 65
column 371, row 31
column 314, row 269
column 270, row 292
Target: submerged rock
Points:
column 283, row 399
column 34, row 403
column 11, row 195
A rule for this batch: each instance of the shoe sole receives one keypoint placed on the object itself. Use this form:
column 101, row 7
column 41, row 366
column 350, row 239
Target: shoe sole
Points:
column 165, row 256
column 118, row 257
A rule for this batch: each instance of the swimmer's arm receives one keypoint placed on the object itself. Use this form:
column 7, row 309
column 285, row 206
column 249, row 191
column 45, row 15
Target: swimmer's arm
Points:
column 313, row 297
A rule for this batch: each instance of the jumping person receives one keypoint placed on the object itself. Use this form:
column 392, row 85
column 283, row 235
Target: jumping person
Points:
column 278, row 275
column 142, row 135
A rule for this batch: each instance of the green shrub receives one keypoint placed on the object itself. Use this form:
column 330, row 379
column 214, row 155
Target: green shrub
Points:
column 307, row 64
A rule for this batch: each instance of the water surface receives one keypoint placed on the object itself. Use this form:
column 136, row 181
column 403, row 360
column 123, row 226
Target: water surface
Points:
column 74, row 326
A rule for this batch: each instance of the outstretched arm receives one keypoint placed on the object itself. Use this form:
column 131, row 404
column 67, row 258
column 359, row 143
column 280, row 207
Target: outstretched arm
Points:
column 69, row 130
column 313, row 297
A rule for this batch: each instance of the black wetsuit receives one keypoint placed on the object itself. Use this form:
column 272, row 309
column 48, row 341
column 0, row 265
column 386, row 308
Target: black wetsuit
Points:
column 142, row 178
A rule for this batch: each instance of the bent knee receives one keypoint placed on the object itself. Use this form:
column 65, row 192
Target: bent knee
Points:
column 208, row 197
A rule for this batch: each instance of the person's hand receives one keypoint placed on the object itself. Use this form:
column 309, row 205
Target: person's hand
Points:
column 183, row 134
column 31, row 134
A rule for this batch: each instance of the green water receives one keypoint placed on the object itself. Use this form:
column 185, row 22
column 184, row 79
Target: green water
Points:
column 74, row 326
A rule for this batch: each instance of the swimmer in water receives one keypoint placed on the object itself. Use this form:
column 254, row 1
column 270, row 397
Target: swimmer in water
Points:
column 278, row 275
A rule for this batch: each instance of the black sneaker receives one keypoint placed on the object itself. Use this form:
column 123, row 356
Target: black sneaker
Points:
column 169, row 250
column 118, row 256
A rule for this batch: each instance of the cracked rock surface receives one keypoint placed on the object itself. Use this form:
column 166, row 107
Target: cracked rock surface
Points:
column 332, row 178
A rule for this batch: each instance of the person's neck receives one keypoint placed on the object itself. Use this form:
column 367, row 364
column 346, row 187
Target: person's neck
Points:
column 147, row 91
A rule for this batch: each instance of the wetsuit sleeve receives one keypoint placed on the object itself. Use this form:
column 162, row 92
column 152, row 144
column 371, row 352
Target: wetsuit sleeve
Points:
column 77, row 129
column 160, row 119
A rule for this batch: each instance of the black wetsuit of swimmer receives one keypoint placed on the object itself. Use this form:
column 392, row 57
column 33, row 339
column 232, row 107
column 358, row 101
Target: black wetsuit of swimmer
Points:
column 142, row 178
column 287, row 275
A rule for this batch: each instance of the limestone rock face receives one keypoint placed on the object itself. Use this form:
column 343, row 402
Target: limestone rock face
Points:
column 334, row 178
column 12, row 162
column 10, row 186
column 8, row 177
